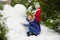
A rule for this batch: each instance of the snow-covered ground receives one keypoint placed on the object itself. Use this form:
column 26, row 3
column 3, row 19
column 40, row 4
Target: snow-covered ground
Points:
column 15, row 18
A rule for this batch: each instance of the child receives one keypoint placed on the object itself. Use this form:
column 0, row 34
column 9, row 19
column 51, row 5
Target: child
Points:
column 38, row 12
column 33, row 26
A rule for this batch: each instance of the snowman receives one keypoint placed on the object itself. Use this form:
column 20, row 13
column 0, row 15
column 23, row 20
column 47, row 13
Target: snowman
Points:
column 15, row 17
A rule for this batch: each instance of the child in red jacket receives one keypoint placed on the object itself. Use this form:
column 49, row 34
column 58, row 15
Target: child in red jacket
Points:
column 38, row 14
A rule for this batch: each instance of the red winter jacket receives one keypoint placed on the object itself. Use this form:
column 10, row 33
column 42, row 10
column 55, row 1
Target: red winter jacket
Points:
column 38, row 14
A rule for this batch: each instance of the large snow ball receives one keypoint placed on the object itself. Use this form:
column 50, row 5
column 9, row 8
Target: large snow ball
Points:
column 20, row 10
column 7, row 11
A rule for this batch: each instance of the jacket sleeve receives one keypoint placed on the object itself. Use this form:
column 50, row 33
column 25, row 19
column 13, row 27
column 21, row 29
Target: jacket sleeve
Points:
column 26, row 25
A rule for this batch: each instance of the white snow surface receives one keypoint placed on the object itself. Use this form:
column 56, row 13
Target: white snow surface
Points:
column 15, row 17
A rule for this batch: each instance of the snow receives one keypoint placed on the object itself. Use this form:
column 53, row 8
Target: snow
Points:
column 30, row 8
column 16, row 16
column 3, row 0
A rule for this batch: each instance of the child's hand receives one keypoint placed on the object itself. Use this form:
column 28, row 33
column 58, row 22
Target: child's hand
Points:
column 24, row 24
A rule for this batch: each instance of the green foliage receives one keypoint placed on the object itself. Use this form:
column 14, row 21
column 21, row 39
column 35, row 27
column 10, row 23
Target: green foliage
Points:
column 3, row 29
column 1, row 6
column 52, row 12
column 28, row 12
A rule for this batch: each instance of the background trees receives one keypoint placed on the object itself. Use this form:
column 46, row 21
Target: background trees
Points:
column 3, row 29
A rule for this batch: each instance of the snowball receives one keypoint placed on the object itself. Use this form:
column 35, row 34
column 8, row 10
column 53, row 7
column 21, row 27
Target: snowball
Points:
column 7, row 11
column 19, row 10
